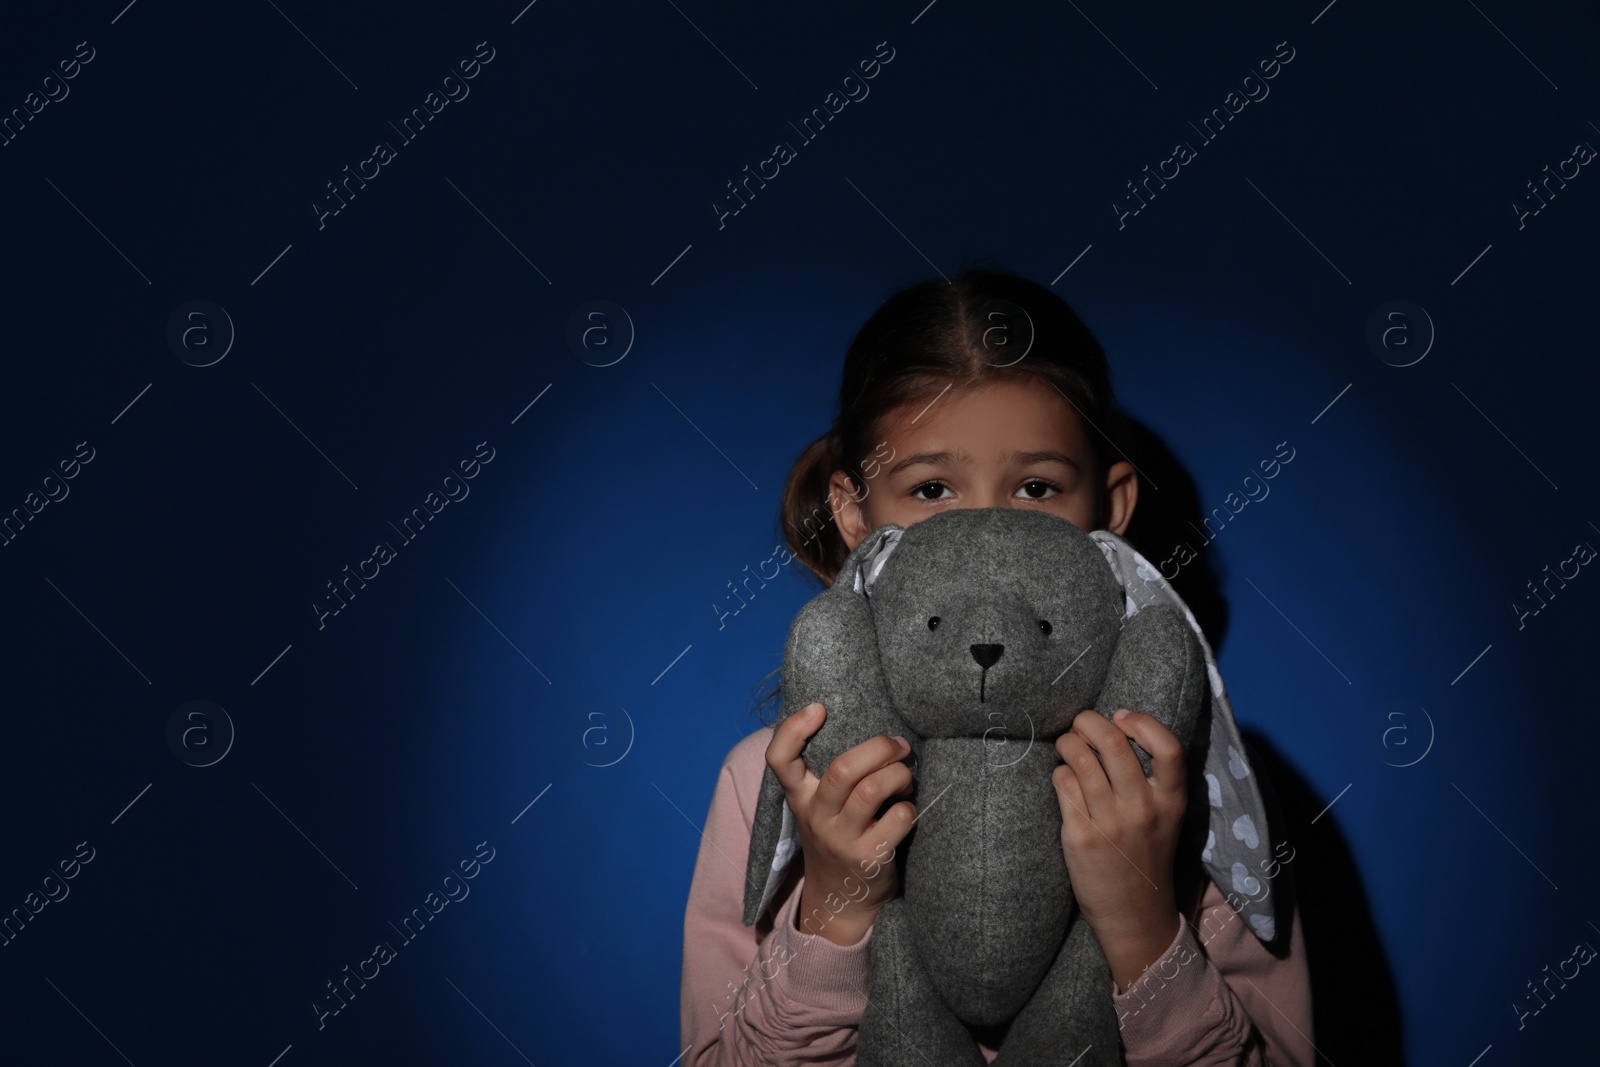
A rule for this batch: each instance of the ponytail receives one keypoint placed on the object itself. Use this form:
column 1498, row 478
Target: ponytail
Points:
column 807, row 519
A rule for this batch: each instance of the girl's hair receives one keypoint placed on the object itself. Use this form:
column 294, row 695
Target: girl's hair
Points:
column 980, row 327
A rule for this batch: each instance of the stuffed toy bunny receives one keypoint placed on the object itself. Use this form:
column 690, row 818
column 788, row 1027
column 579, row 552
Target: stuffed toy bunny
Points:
column 978, row 634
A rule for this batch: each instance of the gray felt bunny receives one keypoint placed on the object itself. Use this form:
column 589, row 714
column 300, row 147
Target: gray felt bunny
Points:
column 978, row 633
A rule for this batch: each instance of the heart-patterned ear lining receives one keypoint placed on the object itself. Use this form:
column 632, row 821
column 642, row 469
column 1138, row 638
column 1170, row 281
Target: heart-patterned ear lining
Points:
column 788, row 848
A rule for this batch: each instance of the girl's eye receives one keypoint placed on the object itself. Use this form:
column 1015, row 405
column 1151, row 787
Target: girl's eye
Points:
column 933, row 623
column 1044, row 627
column 925, row 485
column 1050, row 486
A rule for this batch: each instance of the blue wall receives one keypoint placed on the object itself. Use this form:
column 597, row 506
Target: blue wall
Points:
column 524, row 637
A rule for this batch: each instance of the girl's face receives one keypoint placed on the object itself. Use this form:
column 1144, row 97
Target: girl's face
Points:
column 1017, row 444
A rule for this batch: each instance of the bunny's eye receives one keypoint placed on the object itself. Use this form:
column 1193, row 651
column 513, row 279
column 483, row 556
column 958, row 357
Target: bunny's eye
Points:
column 933, row 622
column 1044, row 627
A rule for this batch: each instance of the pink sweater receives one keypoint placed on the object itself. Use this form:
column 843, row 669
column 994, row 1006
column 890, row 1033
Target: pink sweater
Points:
column 769, row 994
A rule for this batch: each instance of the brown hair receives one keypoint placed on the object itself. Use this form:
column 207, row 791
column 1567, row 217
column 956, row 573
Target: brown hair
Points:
column 979, row 327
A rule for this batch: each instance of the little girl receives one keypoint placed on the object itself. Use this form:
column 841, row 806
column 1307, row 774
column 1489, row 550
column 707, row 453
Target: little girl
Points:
column 984, row 391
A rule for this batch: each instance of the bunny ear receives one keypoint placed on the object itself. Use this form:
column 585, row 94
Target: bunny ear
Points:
column 861, row 569
column 774, row 841
column 1238, row 846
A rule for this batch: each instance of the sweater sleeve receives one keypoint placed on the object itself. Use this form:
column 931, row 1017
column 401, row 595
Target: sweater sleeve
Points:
column 1217, row 996
column 759, row 994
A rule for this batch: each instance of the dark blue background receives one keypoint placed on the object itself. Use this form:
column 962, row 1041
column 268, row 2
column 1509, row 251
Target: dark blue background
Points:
column 526, row 635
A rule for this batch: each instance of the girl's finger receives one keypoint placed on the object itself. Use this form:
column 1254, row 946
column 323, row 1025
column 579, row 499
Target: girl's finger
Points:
column 870, row 794
column 1070, row 796
column 897, row 823
column 783, row 751
column 839, row 781
column 1167, row 773
column 1122, row 767
column 1092, row 783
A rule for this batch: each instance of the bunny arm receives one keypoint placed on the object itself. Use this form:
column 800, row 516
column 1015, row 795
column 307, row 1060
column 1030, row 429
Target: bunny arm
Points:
column 1159, row 669
column 831, row 658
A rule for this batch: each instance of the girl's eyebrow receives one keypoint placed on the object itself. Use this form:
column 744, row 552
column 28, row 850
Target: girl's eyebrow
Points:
column 943, row 456
column 964, row 459
column 1044, row 455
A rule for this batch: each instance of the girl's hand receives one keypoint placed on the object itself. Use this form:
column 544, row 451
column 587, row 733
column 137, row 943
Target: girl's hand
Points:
column 848, row 854
column 1119, row 833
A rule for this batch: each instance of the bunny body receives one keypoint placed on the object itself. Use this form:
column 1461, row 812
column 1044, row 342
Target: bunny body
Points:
column 979, row 634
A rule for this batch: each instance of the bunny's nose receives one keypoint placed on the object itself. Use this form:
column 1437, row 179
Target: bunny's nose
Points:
column 987, row 655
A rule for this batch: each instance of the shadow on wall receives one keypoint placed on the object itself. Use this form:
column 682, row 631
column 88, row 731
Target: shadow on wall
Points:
column 1356, row 1008
column 1171, row 516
